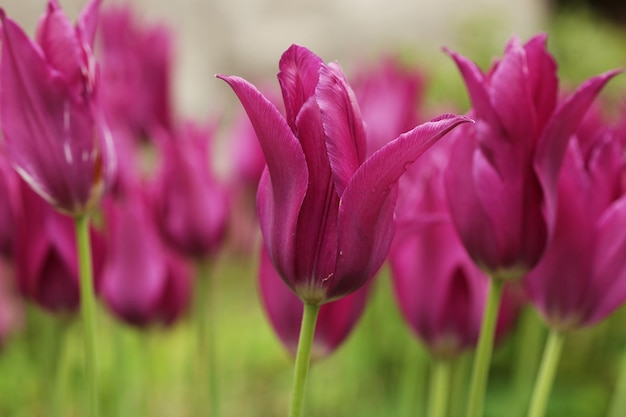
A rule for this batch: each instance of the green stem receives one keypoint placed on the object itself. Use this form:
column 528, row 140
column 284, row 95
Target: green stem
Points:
column 545, row 377
column 87, row 310
column 439, row 388
column 62, row 366
column 617, row 407
column 303, row 356
column 206, row 339
column 411, row 393
column 482, row 358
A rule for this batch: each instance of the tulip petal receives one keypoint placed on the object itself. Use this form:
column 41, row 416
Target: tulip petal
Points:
column 365, row 224
column 553, row 141
column 284, row 182
column 88, row 21
column 544, row 83
column 343, row 125
column 298, row 76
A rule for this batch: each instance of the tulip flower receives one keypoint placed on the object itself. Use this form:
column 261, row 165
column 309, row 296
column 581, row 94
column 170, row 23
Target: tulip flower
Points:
column 51, row 120
column 9, row 207
column 136, row 62
column 189, row 202
column 284, row 310
column 46, row 264
column 326, row 212
column 503, row 172
column 142, row 281
column 389, row 97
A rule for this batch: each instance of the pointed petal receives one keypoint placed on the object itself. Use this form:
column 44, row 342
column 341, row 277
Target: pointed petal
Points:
column 365, row 225
column 553, row 141
column 544, row 83
column 284, row 183
column 343, row 125
column 298, row 76
column 88, row 21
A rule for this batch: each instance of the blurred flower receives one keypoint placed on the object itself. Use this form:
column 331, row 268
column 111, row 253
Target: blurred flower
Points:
column 389, row 96
column 136, row 62
column 502, row 179
column 46, row 265
column 9, row 207
column 52, row 125
column 334, row 323
column 11, row 305
column 326, row 213
column 142, row 281
column 189, row 202
column 582, row 277
column 440, row 291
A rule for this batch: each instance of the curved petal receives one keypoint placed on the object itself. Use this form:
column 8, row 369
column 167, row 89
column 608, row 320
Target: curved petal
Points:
column 88, row 21
column 365, row 224
column 284, row 183
column 544, row 83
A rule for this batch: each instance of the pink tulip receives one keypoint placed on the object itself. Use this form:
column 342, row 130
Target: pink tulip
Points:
column 136, row 61
column 502, row 182
column 45, row 255
column 190, row 203
column 9, row 207
column 441, row 293
column 142, row 281
column 284, row 310
column 582, row 277
column 326, row 213
column 389, row 96
column 51, row 120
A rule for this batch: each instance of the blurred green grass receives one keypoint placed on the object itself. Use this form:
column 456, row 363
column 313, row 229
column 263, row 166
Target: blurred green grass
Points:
column 380, row 371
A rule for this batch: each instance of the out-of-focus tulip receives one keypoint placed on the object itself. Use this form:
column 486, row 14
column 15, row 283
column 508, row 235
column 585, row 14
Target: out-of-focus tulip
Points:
column 46, row 266
column 582, row 277
column 190, row 204
column 501, row 182
column 142, row 282
column 389, row 96
column 334, row 323
column 9, row 207
column 440, row 291
column 326, row 213
column 52, row 123
column 136, row 62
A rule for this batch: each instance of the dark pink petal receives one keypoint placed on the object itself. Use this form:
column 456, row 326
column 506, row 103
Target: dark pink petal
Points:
column 554, row 138
column 343, row 125
column 298, row 76
column 365, row 225
column 284, row 183
column 88, row 21
column 542, row 73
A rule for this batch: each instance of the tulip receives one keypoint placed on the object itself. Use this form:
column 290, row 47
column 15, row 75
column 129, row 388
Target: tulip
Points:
column 189, row 202
column 142, row 281
column 136, row 61
column 389, row 96
column 501, row 184
column 45, row 255
column 52, row 126
column 9, row 207
column 284, row 310
column 326, row 212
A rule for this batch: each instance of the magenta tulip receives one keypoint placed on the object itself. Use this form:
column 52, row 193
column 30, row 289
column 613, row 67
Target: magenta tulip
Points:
column 326, row 212
column 9, row 207
column 142, row 282
column 284, row 310
column 582, row 277
column 190, row 203
column 502, row 181
column 45, row 255
column 389, row 96
column 51, row 119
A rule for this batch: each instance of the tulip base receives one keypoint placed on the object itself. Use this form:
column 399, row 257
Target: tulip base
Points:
column 303, row 358
column 482, row 358
column 87, row 310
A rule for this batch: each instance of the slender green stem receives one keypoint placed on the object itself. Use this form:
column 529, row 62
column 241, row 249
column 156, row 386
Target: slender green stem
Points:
column 439, row 388
column 411, row 392
column 206, row 339
column 482, row 358
column 303, row 356
column 528, row 344
column 545, row 377
column 88, row 310
column 62, row 365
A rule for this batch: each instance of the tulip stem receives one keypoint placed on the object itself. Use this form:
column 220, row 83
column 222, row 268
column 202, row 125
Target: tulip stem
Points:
column 617, row 407
column 303, row 356
column 87, row 310
column 482, row 357
column 547, row 371
column 439, row 388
